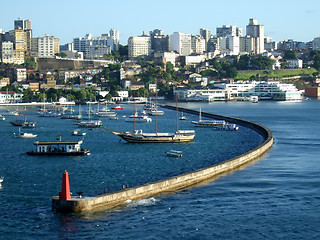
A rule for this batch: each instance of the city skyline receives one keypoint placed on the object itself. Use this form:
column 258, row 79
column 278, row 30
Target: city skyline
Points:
column 132, row 18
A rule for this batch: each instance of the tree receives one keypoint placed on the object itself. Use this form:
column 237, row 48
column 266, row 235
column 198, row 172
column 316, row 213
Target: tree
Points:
column 209, row 73
column 60, row 54
column 290, row 54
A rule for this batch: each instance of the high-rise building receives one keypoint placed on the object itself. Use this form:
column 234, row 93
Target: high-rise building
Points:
column 316, row 43
column 247, row 44
column 105, row 43
column 198, row 44
column 206, row 34
column 231, row 43
column 25, row 26
column 44, row 47
column 139, row 47
column 6, row 52
column 227, row 30
column 181, row 43
column 256, row 31
column 159, row 41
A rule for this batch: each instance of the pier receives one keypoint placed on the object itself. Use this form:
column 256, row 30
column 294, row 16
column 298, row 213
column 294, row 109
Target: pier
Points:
column 65, row 203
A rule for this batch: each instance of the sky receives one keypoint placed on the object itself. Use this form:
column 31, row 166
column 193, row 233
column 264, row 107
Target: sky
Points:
column 67, row 19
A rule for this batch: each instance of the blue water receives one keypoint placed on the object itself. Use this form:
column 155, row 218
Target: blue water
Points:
column 277, row 197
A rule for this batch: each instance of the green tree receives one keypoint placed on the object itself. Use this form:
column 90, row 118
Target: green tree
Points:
column 290, row 54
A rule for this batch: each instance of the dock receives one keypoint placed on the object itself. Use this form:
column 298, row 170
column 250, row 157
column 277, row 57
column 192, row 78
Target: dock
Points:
column 65, row 203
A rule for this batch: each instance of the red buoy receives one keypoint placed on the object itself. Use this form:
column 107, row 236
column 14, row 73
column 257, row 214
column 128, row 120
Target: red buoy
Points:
column 65, row 189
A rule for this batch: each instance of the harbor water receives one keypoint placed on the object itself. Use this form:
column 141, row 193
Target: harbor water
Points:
column 277, row 197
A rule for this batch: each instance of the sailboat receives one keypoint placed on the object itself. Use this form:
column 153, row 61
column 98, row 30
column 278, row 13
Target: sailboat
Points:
column 215, row 124
column 138, row 136
column 90, row 123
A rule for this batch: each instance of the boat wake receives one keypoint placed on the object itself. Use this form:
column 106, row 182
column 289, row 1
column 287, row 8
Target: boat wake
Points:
column 141, row 202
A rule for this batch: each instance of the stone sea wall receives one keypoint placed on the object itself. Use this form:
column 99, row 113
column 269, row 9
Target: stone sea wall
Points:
column 175, row 183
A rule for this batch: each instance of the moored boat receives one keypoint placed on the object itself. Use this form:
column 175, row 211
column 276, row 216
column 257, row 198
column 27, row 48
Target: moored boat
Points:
column 24, row 135
column 208, row 123
column 117, row 108
column 138, row 136
column 78, row 132
column 174, row 153
column 138, row 118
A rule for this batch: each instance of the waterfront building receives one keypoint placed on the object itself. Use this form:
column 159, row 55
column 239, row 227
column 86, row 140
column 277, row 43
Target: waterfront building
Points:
column 139, row 47
column 200, row 95
column 181, row 43
column 312, row 92
column 256, row 31
column 10, row 97
column 264, row 90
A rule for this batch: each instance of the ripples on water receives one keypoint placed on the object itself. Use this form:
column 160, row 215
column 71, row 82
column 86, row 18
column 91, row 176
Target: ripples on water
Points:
column 274, row 198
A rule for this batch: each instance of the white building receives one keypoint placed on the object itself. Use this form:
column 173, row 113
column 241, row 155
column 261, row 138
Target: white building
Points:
column 231, row 43
column 181, row 43
column 139, row 47
column 6, row 52
column 108, row 41
column 10, row 97
column 200, row 95
column 264, row 90
column 45, row 46
column 190, row 60
column 21, row 74
column 165, row 57
column 294, row 63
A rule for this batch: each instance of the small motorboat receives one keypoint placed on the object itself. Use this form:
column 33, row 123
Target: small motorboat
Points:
column 1, row 180
column 174, row 153
column 78, row 132
column 25, row 135
column 117, row 108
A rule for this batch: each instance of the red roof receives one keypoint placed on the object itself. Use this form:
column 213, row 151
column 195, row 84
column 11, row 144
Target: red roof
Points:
column 5, row 92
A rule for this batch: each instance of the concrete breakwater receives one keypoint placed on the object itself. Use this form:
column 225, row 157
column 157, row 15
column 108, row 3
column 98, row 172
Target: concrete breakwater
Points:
column 109, row 200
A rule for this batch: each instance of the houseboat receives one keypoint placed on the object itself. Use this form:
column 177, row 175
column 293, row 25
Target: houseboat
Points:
column 59, row 148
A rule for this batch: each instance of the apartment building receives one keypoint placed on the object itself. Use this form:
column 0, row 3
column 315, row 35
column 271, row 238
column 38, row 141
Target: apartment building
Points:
column 256, row 31
column 44, row 47
column 181, row 43
column 139, row 47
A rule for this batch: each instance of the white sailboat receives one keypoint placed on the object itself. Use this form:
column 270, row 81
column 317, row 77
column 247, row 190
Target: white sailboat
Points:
column 138, row 136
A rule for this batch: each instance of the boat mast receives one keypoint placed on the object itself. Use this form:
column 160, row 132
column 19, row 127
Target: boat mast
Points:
column 177, row 111
column 134, row 114
column 156, row 108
